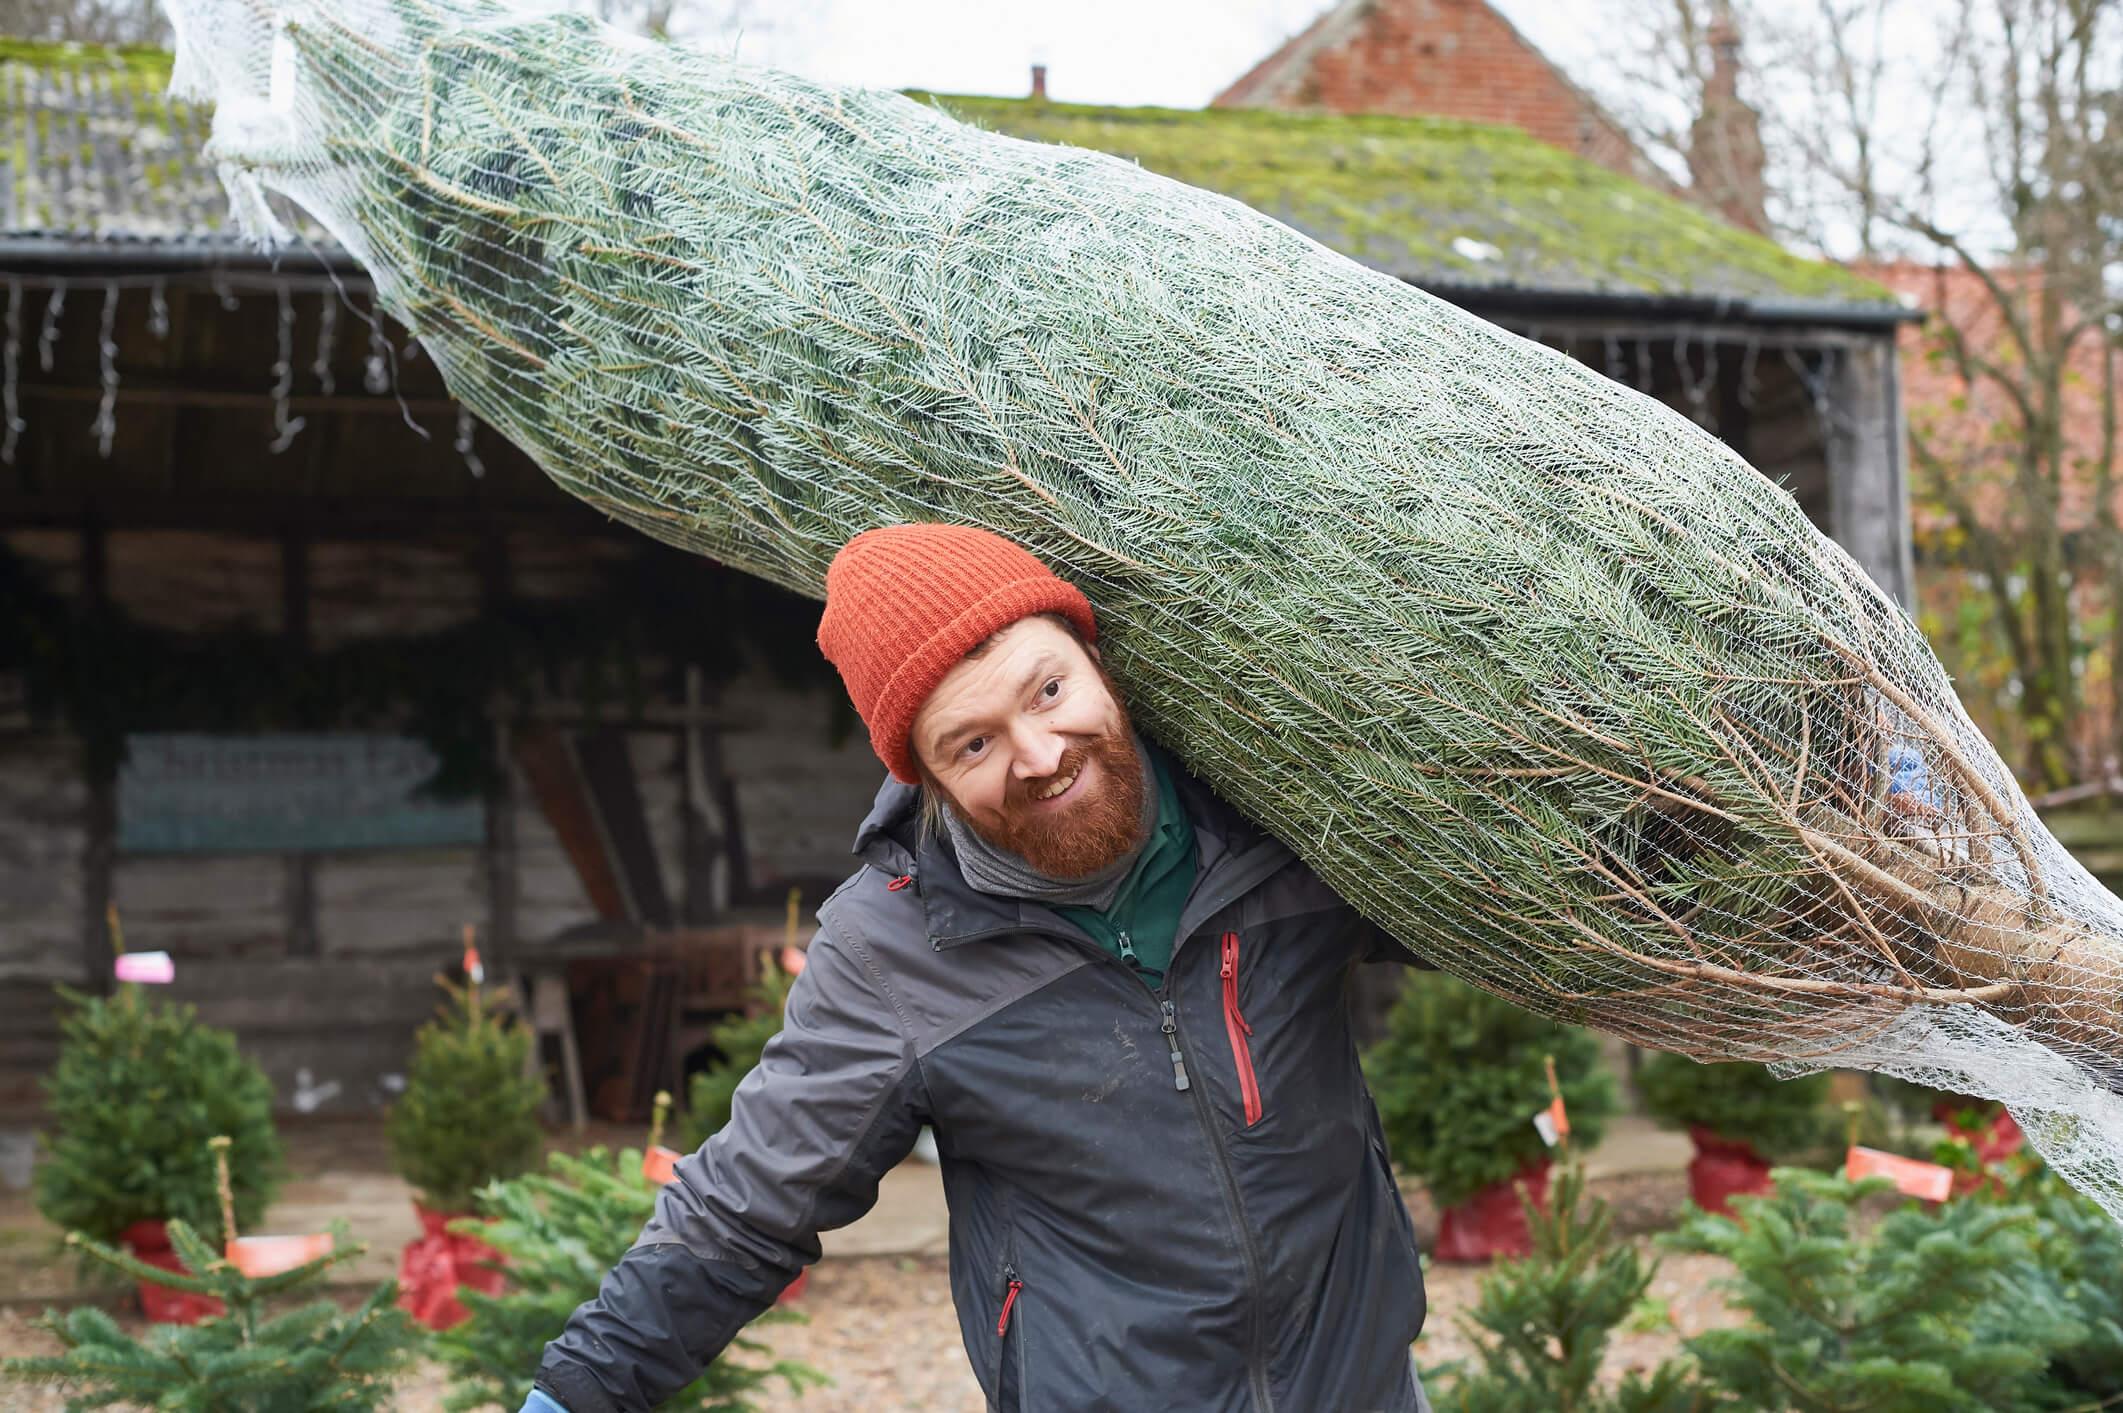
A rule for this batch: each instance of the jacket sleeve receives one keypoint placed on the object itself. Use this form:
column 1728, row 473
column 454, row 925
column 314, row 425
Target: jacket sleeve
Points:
column 834, row 1102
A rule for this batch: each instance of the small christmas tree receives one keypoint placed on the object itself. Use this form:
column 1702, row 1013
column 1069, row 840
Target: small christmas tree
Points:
column 1542, row 1325
column 1741, row 1103
column 1928, row 1309
column 739, row 1041
column 316, row 1357
column 561, row 1232
column 139, row 1087
column 306, row 1360
column 469, row 1114
column 1459, row 1076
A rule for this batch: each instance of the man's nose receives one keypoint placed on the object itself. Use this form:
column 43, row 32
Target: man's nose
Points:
column 1039, row 752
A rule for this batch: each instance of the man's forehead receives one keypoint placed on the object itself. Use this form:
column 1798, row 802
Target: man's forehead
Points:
column 1010, row 661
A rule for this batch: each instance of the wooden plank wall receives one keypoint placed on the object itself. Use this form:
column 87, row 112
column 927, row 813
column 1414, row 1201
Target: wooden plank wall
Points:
column 330, row 1014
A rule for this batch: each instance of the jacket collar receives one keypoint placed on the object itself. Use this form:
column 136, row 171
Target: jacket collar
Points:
column 1235, row 857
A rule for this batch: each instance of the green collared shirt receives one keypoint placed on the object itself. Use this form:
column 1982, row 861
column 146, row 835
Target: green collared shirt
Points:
column 1142, row 925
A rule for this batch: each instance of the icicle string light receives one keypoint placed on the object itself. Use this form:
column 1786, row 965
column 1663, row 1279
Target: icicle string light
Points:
column 11, row 375
column 284, row 426
column 48, row 332
column 105, row 427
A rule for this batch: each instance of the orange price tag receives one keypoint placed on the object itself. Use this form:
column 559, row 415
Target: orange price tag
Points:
column 660, row 1165
column 1553, row 1122
column 261, row 1256
column 1930, row 1181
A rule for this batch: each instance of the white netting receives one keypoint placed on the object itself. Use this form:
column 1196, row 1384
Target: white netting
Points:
column 1525, row 664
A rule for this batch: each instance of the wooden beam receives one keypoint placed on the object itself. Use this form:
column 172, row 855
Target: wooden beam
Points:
column 149, row 393
column 326, row 517
column 549, row 769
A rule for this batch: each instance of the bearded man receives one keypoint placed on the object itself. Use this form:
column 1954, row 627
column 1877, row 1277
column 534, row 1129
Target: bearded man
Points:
column 1122, row 1008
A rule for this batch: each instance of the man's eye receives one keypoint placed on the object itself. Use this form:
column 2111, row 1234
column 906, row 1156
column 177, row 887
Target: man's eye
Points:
column 972, row 747
column 1052, row 689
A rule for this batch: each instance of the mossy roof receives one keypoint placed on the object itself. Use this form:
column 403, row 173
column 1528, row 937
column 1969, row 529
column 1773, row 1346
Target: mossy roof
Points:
column 92, row 149
column 1442, row 202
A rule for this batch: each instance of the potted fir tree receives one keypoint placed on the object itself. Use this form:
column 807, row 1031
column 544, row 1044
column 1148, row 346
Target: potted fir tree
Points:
column 1458, row 1079
column 1739, row 1116
column 561, row 1231
column 139, row 1088
column 468, row 1117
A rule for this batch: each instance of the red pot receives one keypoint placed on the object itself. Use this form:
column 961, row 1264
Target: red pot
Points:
column 1722, row 1169
column 436, row 1263
column 150, row 1242
column 1993, row 1144
column 1492, row 1223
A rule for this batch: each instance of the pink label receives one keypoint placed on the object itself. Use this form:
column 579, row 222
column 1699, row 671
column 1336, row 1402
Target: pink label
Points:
column 155, row 968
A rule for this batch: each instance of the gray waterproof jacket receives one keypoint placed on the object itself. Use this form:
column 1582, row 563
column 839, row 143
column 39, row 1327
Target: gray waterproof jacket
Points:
column 1170, row 1199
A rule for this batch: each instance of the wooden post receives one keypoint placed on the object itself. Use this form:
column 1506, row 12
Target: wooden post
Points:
column 99, row 850
column 498, row 850
column 298, row 897
column 1868, row 483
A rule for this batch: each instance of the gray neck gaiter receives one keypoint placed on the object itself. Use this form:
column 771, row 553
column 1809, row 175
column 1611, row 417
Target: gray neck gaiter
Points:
column 1002, row 874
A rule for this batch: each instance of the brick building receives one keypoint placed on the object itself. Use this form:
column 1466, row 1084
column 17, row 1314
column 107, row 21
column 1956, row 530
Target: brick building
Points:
column 1439, row 59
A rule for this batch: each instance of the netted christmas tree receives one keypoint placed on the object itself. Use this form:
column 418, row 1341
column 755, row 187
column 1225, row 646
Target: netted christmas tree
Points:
column 562, row 1231
column 253, row 1359
column 1533, row 670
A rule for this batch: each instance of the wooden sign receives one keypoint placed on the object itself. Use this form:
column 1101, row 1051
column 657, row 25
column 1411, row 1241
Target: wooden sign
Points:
column 294, row 792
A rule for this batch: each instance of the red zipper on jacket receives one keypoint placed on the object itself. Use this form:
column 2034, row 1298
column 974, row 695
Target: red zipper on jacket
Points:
column 1002, row 1325
column 1235, row 1026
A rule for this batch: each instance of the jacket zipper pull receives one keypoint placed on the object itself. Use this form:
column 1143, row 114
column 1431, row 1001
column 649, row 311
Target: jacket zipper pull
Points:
column 1002, row 1325
column 1127, row 950
column 1170, row 1027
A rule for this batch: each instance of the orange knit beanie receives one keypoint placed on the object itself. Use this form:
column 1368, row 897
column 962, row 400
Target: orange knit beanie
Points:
column 905, row 603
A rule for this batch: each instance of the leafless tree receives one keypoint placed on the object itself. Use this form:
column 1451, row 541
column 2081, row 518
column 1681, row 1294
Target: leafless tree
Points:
column 1983, row 138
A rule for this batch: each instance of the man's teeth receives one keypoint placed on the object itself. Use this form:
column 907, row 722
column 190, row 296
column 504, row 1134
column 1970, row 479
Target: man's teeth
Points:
column 1057, row 787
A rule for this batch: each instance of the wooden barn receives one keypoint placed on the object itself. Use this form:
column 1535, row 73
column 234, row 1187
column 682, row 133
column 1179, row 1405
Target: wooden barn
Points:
column 302, row 672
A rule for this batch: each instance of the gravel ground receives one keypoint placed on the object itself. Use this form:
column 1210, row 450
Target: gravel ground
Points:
column 884, row 1331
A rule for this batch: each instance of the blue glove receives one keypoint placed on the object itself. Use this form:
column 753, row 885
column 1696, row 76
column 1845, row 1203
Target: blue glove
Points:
column 539, row 1403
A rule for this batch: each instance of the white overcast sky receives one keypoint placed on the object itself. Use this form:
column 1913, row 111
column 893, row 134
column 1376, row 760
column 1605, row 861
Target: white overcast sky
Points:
column 1174, row 53
column 1181, row 53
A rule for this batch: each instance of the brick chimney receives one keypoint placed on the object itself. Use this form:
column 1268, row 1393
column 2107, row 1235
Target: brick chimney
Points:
column 1039, row 83
column 1725, row 160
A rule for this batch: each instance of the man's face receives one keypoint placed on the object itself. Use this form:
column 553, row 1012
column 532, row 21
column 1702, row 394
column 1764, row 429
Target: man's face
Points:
column 1029, row 743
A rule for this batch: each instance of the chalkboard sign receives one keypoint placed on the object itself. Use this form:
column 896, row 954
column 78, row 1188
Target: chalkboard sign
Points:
column 285, row 793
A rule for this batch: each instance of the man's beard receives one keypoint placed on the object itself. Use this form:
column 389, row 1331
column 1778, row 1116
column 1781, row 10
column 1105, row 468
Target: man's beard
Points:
column 1090, row 833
